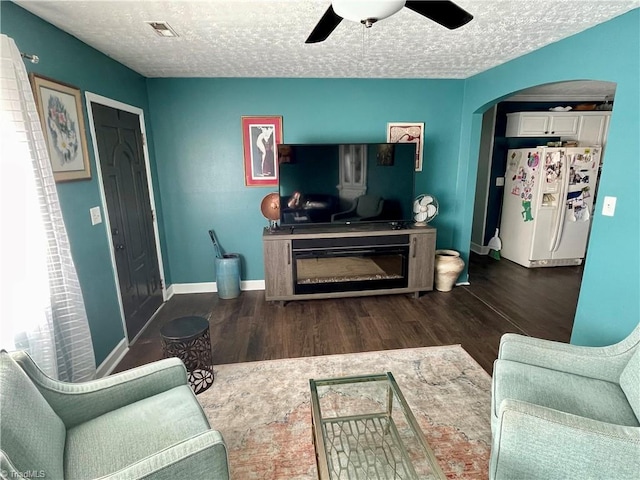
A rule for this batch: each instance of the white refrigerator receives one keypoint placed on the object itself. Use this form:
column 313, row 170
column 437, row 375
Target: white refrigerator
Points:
column 548, row 204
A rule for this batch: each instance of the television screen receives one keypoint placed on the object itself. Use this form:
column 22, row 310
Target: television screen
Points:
column 346, row 183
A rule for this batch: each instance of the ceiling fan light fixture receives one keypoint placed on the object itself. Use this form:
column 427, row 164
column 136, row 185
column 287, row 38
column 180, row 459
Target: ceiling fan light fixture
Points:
column 366, row 11
column 444, row 12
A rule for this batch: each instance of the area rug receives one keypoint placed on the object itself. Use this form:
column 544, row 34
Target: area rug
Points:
column 263, row 409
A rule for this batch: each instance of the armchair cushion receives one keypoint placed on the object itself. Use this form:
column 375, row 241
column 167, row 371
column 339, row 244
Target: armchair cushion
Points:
column 565, row 392
column 203, row 456
column 539, row 443
column 132, row 433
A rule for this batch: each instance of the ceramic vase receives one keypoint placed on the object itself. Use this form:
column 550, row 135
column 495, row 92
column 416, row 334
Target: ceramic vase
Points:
column 228, row 275
column 448, row 266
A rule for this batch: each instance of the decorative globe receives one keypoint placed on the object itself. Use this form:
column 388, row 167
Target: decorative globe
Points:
column 425, row 209
column 270, row 208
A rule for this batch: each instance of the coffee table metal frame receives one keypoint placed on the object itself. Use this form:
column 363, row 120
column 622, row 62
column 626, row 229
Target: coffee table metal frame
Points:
column 380, row 422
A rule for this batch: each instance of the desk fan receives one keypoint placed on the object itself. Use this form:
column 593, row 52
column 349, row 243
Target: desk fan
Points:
column 270, row 208
column 425, row 209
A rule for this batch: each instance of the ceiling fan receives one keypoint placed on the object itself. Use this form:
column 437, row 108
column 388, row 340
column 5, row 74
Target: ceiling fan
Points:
column 446, row 13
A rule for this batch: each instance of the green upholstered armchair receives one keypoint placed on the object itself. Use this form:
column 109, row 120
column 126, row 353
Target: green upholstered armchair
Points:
column 561, row 411
column 142, row 423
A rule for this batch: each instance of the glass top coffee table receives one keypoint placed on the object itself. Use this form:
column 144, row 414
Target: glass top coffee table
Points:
column 363, row 428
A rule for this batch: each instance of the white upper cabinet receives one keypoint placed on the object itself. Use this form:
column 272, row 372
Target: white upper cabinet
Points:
column 527, row 124
column 564, row 124
column 540, row 124
column 588, row 128
column 593, row 129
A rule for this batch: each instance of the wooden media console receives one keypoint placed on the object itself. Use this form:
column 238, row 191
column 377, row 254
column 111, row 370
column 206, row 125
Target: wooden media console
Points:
column 347, row 261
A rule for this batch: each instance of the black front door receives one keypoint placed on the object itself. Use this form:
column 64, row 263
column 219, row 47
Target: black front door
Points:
column 130, row 214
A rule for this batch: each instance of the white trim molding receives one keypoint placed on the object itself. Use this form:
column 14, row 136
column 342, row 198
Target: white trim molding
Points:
column 480, row 249
column 99, row 99
column 211, row 287
column 121, row 349
column 113, row 359
column 252, row 285
column 205, row 287
column 560, row 97
column 170, row 292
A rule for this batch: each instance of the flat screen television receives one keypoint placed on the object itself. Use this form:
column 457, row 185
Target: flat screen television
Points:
column 346, row 183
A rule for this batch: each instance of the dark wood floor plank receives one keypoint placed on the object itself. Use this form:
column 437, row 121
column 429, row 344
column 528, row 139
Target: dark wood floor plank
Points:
column 538, row 300
column 503, row 297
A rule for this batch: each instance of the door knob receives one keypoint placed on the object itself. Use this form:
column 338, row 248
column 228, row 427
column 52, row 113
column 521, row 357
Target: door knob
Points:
column 120, row 246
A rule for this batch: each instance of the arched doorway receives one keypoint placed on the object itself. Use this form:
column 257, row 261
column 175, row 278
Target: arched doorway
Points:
column 543, row 298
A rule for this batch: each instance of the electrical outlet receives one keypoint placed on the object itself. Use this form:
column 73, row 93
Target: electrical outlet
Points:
column 499, row 181
column 96, row 217
column 609, row 206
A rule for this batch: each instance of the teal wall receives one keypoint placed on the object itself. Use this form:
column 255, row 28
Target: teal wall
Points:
column 198, row 173
column 609, row 305
column 65, row 58
column 198, row 143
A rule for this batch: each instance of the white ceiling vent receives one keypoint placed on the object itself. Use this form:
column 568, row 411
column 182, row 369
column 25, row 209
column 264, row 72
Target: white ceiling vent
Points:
column 163, row 29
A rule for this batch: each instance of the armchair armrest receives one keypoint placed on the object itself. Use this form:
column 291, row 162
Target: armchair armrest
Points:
column 534, row 442
column 603, row 363
column 203, row 456
column 76, row 403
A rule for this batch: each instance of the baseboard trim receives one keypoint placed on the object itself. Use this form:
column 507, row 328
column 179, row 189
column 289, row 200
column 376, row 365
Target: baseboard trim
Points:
column 211, row 287
column 182, row 288
column 170, row 292
column 252, row 285
column 480, row 249
column 135, row 339
column 113, row 359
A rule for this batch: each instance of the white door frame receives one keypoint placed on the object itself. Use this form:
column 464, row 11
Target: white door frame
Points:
column 92, row 97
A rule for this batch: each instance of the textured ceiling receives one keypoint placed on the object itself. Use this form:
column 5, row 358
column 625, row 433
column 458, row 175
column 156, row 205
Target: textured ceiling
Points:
column 577, row 90
column 253, row 38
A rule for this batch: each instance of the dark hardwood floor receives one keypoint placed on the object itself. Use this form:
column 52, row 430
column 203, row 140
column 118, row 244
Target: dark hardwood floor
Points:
column 503, row 297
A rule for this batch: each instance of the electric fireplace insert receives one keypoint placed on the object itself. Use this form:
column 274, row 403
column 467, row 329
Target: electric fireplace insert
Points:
column 322, row 265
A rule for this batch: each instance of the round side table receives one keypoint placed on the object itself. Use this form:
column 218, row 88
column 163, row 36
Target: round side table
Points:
column 188, row 339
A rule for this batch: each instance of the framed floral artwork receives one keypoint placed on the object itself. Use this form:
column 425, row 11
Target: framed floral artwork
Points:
column 260, row 139
column 408, row 132
column 60, row 110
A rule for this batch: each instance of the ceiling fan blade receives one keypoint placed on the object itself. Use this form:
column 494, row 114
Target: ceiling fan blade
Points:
column 447, row 14
column 327, row 24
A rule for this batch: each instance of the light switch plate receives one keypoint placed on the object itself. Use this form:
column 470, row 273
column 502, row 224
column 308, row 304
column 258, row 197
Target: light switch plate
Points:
column 96, row 216
column 500, row 182
column 609, row 206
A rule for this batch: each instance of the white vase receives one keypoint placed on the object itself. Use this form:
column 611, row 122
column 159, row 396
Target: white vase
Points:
column 448, row 266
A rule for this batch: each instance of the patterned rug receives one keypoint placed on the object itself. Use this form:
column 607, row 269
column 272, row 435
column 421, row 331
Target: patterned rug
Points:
column 263, row 409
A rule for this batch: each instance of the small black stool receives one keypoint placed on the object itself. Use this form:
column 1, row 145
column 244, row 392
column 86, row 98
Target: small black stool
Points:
column 188, row 339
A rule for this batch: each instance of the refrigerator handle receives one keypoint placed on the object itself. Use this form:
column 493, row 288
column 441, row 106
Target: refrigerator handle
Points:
column 562, row 207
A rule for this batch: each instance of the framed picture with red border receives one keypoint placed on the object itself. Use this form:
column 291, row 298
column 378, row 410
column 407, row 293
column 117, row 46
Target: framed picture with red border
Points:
column 260, row 139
